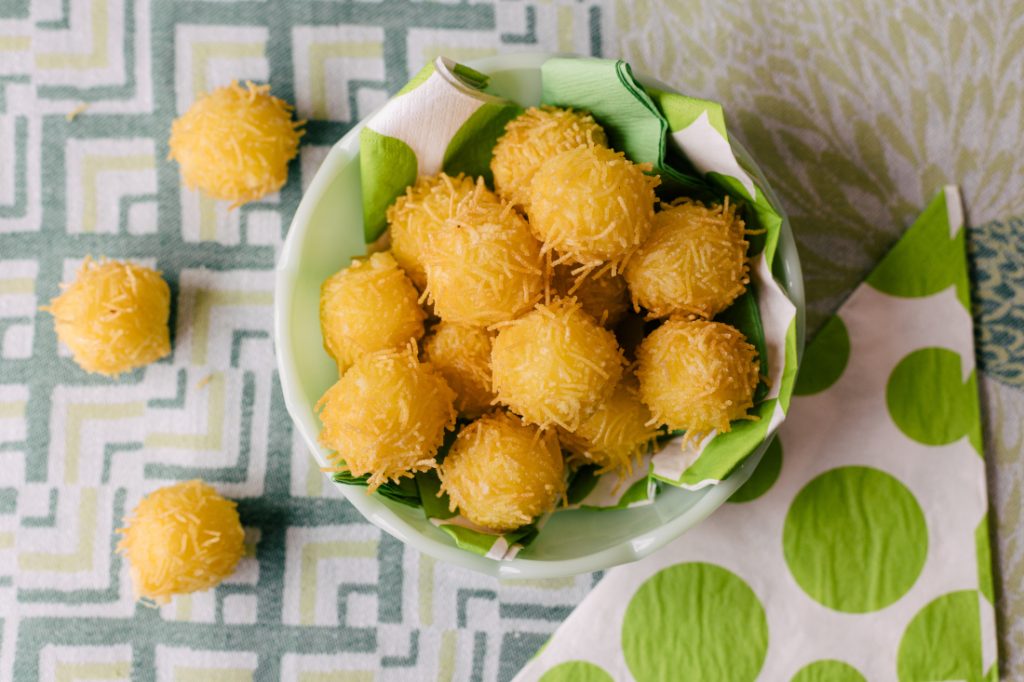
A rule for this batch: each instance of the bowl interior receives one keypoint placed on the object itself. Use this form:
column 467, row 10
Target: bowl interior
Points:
column 327, row 232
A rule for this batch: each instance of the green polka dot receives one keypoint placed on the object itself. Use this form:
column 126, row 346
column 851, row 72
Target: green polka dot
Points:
column 855, row 539
column 983, row 552
column 929, row 400
column 943, row 641
column 764, row 475
column 387, row 166
column 576, row 671
column 828, row 670
column 694, row 621
column 926, row 260
column 825, row 358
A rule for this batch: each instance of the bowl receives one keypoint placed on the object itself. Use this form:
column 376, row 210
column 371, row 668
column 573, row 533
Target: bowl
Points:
column 326, row 233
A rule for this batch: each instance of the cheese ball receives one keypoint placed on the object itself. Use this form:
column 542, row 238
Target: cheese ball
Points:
column 485, row 266
column 693, row 263
column 386, row 416
column 369, row 306
column 592, row 205
column 502, row 474
column 462, row 354
column 533, row 137
column 235, row 143
column 417, row 216
column 601, row 294
column 555, row 365
column 697, row 375
column 617, row 435
column 180, row 539
column 113, row 317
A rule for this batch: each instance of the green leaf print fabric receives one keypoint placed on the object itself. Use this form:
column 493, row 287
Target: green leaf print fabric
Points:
column 859, row 550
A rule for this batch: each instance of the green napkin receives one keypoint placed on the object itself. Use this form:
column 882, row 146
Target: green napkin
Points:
column 447, row 118
column 859, row 549
column 441, row 120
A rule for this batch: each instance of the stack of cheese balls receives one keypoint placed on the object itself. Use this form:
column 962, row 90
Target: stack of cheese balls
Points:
column 502, row 311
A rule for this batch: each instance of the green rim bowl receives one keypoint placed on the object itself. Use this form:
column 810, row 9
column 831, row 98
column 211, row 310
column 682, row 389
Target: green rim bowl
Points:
column 327, row 232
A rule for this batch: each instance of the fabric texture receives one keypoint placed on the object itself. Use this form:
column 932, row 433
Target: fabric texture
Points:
column 863, row 543
column 856, row 112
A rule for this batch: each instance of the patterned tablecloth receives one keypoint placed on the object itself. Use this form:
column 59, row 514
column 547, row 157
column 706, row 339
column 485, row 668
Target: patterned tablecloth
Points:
column 856, row 112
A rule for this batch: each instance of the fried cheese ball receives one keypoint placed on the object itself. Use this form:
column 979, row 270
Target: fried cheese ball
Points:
column 601, row 294
column 484, row 266
column 462, row 354
column 697, row 375
column 179, row 539
column 502, row 474
column 592, row 205
column 416, row 217
column 235, row 143
column 113, row 317
column 555, row 365
column 369, row 306
column 533, row 137
column 693, row 263
column 617, row 435
column 386, row 416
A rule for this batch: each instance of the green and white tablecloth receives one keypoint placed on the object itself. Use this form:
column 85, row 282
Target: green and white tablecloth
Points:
column 857, row 111
column 859, row 550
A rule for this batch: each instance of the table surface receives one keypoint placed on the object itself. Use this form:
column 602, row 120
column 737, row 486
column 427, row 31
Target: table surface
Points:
column 857, row 111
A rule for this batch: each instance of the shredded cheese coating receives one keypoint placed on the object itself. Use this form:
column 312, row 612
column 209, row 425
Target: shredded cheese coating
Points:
column 417, row 216
column 180, row 539
column 592, row 205
column 484, row 266
column 693, row 263
column 235, row 143
column 370, row 305
column 113, row 317
column 555, row 365
column 386, row 416
column 697, row 375
column 462, row 353
column 501, row 474
column 533, row 137
column 601, row 294
column 617, row 435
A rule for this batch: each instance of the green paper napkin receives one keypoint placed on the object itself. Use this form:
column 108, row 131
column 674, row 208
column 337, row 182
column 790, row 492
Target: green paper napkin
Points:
column 440, row 121
column 445, row 120
column 859, row 549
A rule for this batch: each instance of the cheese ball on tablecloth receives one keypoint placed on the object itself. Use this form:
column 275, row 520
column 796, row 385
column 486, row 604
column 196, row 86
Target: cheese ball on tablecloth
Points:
column 555, row 365
column 697, row 375
column 235, row 143
column 502, row 474
column 601, row 294
column 484, row 265
column 693, row 263
column 180, row 539
column 369, row 306
column 532, row 138
column 386, row 416
column 417, row 215
column 462, row 354
column 592, row 205
column 617, row 435
column 113, row 317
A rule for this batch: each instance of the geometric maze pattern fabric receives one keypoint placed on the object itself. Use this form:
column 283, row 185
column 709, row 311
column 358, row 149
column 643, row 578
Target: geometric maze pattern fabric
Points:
column 939, row 91
column 322, row 594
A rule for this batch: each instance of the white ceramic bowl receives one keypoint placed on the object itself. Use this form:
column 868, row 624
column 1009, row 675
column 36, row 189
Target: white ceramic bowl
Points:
column 327, row 232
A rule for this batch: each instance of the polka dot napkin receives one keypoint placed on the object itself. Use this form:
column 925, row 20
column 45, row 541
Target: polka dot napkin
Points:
column 859, row 550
